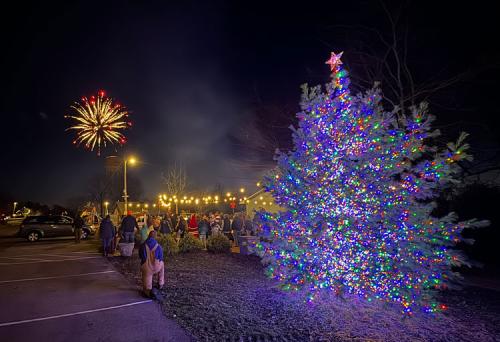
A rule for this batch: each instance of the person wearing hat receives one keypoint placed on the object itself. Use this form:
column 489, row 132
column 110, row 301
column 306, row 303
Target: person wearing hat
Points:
column 151, row 255
column 128, row 227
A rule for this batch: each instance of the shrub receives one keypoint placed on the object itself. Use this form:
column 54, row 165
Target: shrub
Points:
column 218, row 244
column 168, row 243
column 189, row 243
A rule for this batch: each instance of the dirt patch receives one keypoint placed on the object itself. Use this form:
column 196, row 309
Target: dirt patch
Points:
column 228, row 298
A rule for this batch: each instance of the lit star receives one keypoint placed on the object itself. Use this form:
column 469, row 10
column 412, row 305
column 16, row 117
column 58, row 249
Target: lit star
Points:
column 334, row 60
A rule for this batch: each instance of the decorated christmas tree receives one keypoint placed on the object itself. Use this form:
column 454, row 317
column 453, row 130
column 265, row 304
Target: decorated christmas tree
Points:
column 357, row 192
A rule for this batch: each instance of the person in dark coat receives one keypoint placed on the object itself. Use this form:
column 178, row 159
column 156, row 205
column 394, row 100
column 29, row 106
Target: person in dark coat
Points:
column 166, row 225
column 107, row 233
column 181, row 227
column 78, row 225
column 128, row 227
column 237, row 227
column 226, row 227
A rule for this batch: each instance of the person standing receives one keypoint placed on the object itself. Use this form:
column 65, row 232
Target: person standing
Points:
column 215, row 228
column 166, row 225
column 226, row 227
column 148, row 219
column 193, row 226
column 128, row 227
column 156, row 223
column 78, row 225
column 107, row 233
column 180, row 227
column 203, row 227
column 237, row 227
column 151, row 255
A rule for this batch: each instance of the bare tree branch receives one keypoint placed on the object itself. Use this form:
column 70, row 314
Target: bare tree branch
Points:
column 175, row 179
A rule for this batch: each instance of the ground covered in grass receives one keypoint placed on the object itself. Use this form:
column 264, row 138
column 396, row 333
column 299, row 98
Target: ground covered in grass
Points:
column 226, row 297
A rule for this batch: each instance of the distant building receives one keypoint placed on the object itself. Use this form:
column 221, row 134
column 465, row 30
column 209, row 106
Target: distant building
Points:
column 261, row 200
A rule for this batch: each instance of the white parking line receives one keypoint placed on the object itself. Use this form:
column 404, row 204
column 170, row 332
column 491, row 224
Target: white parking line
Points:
column 58, row 255
column 87, row 252
column 55, row 277
column 36, row 262
column 20, row 258
column 65, row 255
column 6, row 324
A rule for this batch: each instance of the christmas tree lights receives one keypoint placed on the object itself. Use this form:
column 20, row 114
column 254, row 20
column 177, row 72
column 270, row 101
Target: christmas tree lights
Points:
column 357, row 191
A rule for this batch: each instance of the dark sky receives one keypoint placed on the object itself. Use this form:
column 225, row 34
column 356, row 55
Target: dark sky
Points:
column 191, row 73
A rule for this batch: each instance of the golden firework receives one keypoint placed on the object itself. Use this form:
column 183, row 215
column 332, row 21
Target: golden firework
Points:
column 99, row 121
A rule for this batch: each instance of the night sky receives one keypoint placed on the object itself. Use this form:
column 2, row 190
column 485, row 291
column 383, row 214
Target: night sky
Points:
column 193, row 75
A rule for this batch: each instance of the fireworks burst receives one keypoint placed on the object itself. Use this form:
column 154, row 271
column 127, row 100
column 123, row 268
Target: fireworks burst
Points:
column 98, row 122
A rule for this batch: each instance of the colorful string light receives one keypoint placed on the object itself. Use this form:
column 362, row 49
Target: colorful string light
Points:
column 358, row 190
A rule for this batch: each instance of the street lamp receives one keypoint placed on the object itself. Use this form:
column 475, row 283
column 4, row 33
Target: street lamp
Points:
column 132, row 162
column 242, row 190
column 106, row 205
column 14, row 209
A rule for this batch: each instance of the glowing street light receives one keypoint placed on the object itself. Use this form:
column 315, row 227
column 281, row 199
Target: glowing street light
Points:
column 106, row 205
column 132, row 162
column 14, row 209
column 242, row 190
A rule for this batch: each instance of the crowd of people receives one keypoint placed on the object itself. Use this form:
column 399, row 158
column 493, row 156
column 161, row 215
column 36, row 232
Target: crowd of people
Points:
column 200, row 226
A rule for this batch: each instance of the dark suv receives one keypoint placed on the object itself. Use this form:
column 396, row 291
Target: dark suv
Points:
column 34, row 228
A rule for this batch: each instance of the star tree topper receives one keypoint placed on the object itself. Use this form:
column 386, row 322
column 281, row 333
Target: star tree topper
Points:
column 334, row 60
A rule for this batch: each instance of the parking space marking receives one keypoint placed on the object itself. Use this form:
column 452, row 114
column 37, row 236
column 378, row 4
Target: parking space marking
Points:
column 36, row 262
column 87, row 252
column 64, row 255
column 20, row 258
column 57, row 255
column 55, row 277
column 6, row 324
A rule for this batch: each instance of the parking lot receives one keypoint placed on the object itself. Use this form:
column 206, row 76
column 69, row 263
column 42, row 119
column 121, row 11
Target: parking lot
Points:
column 55, row 290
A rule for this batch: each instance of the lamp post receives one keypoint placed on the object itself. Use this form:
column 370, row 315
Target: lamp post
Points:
column 14, row 209
column 106, row 205
column 132, row 161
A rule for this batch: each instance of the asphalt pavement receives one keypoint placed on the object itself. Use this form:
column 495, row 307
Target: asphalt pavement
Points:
column 55, row 290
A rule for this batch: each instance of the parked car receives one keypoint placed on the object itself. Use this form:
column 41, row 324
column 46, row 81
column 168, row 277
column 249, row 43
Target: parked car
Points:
column 33, row 228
